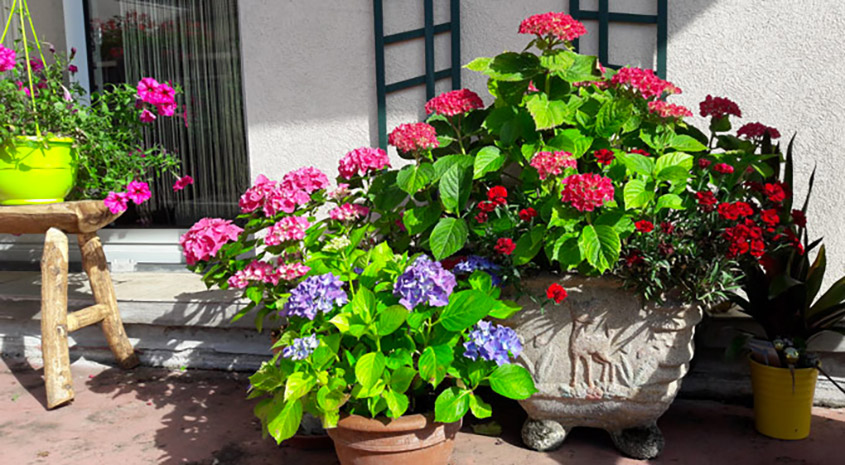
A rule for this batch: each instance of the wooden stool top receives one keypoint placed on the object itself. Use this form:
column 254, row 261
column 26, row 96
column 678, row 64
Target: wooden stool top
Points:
column 80, row 217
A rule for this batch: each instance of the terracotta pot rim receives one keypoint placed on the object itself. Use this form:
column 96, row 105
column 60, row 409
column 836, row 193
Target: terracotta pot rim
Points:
column 383, row 424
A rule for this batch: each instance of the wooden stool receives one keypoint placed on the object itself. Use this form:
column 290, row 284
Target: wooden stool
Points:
column 84, row 219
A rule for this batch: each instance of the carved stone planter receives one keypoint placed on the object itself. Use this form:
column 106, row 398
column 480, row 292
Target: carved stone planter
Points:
column 602, row 359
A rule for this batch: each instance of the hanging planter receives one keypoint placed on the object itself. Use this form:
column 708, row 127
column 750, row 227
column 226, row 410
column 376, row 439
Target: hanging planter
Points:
column 34, row 171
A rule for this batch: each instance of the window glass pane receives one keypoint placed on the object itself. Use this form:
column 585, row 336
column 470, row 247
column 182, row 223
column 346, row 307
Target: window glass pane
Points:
column 193, row 43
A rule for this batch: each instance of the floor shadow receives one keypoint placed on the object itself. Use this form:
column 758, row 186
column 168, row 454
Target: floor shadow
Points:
column 28, row 377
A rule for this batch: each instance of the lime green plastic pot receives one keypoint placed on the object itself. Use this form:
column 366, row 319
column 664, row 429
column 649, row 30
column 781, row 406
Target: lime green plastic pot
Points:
column 32, row 174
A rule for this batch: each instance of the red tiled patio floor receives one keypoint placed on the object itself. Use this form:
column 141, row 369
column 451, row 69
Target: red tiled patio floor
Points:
column 156, row 416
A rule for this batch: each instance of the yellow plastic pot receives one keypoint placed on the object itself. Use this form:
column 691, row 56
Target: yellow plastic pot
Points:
column 33, row 174
column 779, row 411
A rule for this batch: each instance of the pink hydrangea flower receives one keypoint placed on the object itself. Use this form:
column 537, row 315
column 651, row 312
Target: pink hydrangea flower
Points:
column 182, row 183
column 586, row 192
column 284, row 199
column 255, row 272
column 291, row 228
column 644, row 81
column 454, row 103
column 292, row 271
column 348, row 212
column 147, row 116
column 552, row 163
column 559, row 25
column 116, row 202
column 206, row 237
column 254, row 197
column 668, row 110
column 362, row 161
column 341, row 191
column 756, row 131
column 718, row 107
column 138, row 192
column 8, row 60
column 410, row 137
column 308, row 179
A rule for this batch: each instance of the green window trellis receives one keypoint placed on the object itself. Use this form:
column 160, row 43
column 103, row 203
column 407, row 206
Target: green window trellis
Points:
column 427, row 33
column 604, row 17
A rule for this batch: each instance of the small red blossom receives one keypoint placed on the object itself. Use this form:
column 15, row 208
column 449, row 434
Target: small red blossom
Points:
column 558, row 25
column 703, row 163
column 706, row 200
column 775, row 192
column 527, row 213
column 604, row 156
column 586, row 192
column 718, row 107
column 723, row 168
column 668, row 110
column 667, row 227
column 634, row 259
column 505, row 246
column 481, row 217
column 644, row 81
column 644, row 226
column 486, row 206
column 734, row 211
column 756, row 131
column 745, row 238
column 498, row 195
column 770, row 216
column 410, row 137
column 182, row 183
column 556, row 292
column 454, row 103
column 642, row 152
column 665, row 249
column 799, row 218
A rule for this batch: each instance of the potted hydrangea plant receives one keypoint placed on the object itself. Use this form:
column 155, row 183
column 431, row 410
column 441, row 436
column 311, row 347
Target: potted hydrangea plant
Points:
column 55, row 146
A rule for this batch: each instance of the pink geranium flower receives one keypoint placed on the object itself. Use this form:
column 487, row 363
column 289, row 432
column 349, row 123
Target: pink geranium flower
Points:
column 138, row 192
column 146, row 86
column 206, row 237
column 147, row 116
column 116, row 202
column 362, row 161
column 8, row 60
column 182, row 183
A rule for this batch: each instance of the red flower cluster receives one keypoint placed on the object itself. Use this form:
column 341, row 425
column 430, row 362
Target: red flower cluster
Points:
column 706, row 200
column 556, row 292
column 667, row 228
column 757, row 131
column 723, row 168
column 604, row 156
column 552, row 163
column 642, row 152
column 644, row 81
column 559, row 25
column 799, row 218
column 668, row 110
column 504, row 246
column 414, row 136
column 527, row 213
column 775, row 192
column 486, row 206
column 634, row 259
column 586, row 192
column 770, row 216
column 498, row 195
column 454, row 103
column 734, row 211
column 745, row 238
column 718, row 107
column 481, row 217
column 644, row 226
column 703, row 163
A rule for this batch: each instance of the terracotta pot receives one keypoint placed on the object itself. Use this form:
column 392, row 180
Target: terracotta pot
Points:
column 408, row 440
column 602, row 359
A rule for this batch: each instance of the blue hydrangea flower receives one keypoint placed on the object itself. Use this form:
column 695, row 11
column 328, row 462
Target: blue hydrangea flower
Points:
column 301, row 348
column 497, row 343
column 474, row 263
column 316, row 294
column 425, row 281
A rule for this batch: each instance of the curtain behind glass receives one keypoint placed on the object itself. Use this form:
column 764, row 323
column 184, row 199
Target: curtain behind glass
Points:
column 195, row 44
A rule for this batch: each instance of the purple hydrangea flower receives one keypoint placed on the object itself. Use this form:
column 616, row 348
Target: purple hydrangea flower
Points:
column 301, row 348
column 497, row 343
column 316, row 294
column 425, row 281
column 474, row 263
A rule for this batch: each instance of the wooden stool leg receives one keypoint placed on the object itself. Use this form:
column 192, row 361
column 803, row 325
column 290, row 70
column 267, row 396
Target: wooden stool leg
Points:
column 94, row 264
column 54, row 332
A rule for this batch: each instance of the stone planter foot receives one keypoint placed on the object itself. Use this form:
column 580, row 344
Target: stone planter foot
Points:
column 641, row 442
column 544, row 435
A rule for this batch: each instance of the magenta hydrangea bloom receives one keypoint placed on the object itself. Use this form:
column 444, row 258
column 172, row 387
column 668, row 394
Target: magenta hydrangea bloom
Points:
column 255, row 272
column 8, row 60
column 494, row 343
column 757, row 131
column 414, row 136
column 291, row 228
column 308, row 179
column 718, row 107
column 206, row 237
column 319, row 293
column 362, row 161
column 425, row 281
column 254, row 197
column 586, row 192
column 552, row 163
column 644, row 81
column 668, row 110
column 116, row 202
column 348, row 212
column 138, row 192
column 292, row 271
column 559, row 25
column 453, row 103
